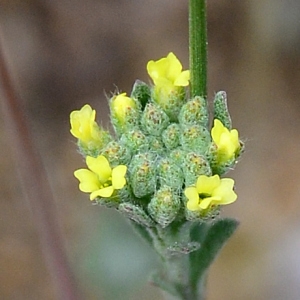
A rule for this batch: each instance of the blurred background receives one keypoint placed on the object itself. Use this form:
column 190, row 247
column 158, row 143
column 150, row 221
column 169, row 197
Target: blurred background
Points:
column 64, row 54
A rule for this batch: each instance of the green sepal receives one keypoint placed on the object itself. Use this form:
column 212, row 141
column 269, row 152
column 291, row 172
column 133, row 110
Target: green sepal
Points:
column 141, row 92
column 221, row 110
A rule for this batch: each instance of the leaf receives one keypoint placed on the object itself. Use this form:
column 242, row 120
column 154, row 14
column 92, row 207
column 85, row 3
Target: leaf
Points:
column 212, row 238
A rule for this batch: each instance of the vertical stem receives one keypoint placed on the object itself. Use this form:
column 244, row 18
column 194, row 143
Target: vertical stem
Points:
column 198, row 47
column 36, row 188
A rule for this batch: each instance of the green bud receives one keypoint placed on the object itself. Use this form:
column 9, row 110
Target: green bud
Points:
column 143, row 174
column 164, row 206
column 156, row 145
column 154, row 119
column 195, row 138
column 125, row 113
column 135, row 140
column 195, row 165
column 170, row 174
column 178, row 156
column 141, row 92
column 116, row 154
column 136, row 213
column 221, row 110
column 194, row 112
column 171, row 102
column 171, row 136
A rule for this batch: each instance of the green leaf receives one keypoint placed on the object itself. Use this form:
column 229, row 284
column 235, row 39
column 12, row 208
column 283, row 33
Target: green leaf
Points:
column 212, row 238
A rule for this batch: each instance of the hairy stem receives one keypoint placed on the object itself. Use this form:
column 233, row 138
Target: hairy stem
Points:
column 198, row 47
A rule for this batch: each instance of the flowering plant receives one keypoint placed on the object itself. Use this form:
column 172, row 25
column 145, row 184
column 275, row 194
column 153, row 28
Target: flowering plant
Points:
column 162, row 169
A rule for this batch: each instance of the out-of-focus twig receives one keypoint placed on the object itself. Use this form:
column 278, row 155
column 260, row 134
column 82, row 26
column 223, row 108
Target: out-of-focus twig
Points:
column 35, row 187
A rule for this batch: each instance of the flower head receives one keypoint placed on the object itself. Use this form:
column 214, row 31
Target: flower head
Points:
column 210, row 190
column 169, row 82
column 227, row 142
column 85, row 129
column 100, row 180
column 121, row 105
column 167, row 72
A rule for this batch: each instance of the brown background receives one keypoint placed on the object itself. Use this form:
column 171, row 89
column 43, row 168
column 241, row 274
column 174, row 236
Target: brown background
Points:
column 64, row 54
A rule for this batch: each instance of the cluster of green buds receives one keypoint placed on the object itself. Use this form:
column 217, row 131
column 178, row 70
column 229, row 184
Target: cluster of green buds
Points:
column 164, row 163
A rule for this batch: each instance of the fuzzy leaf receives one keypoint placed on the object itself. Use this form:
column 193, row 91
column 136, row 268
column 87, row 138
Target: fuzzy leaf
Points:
column 212, row 238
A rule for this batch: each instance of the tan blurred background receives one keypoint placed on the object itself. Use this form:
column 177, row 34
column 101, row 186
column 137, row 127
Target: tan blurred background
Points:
column 64, row 54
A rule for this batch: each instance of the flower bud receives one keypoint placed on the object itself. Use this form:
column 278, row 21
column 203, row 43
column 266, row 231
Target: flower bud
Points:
column 156, row 145
column 195, row 138
column 135, row 140
column 91, row 138
column 143, row 174
column 171, row 136
column 178, row 156
column 125, row 113
column 195, row 165
column 170, row 174
column 154, row 119
column 194, row 112
column 116, row 154
column 164, row 206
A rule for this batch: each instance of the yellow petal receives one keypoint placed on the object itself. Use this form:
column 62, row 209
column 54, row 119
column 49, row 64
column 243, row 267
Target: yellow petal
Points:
column 183, row 79
column 206, row 184
column 193, row 198
column 173, row 67
column 217, row 130
column 118, row 177
column 205, row 203
column 100, row 166
column 105, row 193
column 88, row 180
column 225, row 191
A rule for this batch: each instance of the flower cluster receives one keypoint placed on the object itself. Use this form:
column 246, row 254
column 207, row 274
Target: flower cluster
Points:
column 164, row 162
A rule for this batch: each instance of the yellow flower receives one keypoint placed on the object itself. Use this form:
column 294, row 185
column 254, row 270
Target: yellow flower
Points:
column 227, row 142
column 210, row 191
column 100, row 180
column 84, row 127
column 121, row 106
column 167, row 72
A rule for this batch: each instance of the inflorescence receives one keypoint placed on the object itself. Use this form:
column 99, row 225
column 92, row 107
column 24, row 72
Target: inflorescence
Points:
column 164, row 163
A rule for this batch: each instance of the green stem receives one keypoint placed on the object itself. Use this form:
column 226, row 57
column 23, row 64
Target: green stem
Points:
column 198, row 47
